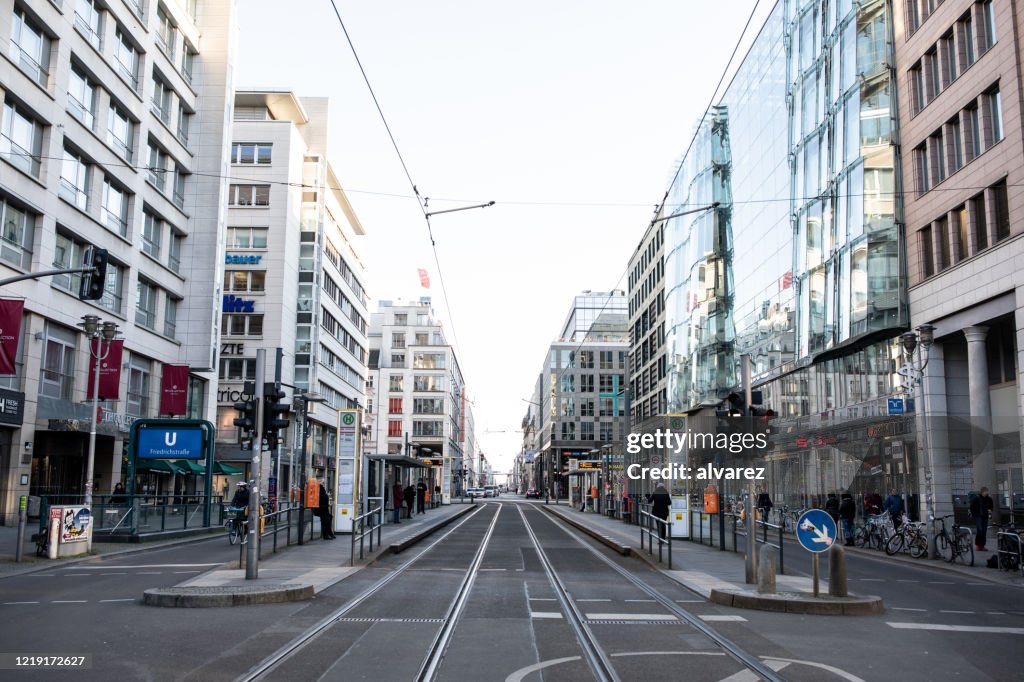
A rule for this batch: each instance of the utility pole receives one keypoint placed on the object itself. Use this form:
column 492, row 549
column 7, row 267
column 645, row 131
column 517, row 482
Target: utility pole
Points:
column 751, row 526
column 252, row 552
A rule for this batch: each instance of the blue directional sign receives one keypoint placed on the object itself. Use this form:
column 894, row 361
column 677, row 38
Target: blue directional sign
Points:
column 170, row 443
column 895, row 405
column 815, row 530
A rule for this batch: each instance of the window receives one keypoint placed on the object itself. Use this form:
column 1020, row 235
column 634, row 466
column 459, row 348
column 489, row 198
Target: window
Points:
column 921, row 163
column 586, row 359
column 401, row 319
column 931, row 61
column 137, row 399
column 606, row 431
column 394, row 428
column 607, row 383
column 145, row 306
column 244, row 280
column 157, row 166
column 568, row 431
column 938, row 153
column 1000, row 211
column 966, row 30
column 586, row 408
column 428, row 360
column 114, row 213
column 249, row 195
column 22, row 140
column 247, row 238
column 398, row 340
column 948, row 51
column 421, row 339
column 188, row 58
column 980, row 225
column 112, row 288
column 394, row 406
column 398, row 359
column 180, row 177
column 30, row 48
column 990, row 23
column 251, row 153
column 166, row 33
column 174, row 252
column 152, row 234
column 428, row 406
column 237, row 369
column 587, row 431
column 961, row 242
column 395, row 382
column 68, row 253
column 995, row 115
column 127, row 58
column 568, row 383
column 171, row 317
column 956, row 144
column 608, row 408
column 120, row 132
column 74, row 180
column 927, row 254
column 942, row 237
column 81, row 97
column 568, row 406
column 57, row 371
column 184, row 123
column 87, row 22
column 161, row 99
column 424, row 382
column 431, row 429
column 241, row 325
column 586, row 383
column 973, row 121
column 18, row 231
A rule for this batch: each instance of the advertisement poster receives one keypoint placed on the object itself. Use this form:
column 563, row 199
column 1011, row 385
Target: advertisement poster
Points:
column 74, row 524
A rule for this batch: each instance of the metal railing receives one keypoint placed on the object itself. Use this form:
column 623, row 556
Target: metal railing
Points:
column 727, row 531
column 274, row 523
column 139, row 514
column 652, row 527
column 360, row 529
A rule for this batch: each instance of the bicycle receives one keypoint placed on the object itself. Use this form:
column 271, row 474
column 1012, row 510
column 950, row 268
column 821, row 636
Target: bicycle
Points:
column 954, row 545
column 909, row 538
column 875, row 532
column 237, row 525
column 1009, row 547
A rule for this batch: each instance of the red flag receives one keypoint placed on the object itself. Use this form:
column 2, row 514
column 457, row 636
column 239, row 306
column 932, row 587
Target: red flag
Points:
column 174, row 390
column 10, row 331
column 110, row 369
column 424, row 278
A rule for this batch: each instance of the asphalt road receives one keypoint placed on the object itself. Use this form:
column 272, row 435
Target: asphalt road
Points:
column 510, row 625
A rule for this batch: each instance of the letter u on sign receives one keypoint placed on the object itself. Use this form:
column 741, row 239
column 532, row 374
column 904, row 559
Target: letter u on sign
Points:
column 170, row 438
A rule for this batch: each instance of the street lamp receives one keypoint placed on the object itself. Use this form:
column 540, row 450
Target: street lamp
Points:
column 913, row 374
column 305, row 398
column 103, row 333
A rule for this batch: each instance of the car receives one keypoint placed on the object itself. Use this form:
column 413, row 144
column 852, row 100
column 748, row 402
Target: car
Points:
column 474, row 492
column 533, row 494
column 490, row 491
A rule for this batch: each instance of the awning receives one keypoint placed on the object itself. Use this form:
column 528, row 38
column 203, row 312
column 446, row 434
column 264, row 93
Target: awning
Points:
column 222, row 469
column 160, row 466
column 400, row 460
column 190, row 467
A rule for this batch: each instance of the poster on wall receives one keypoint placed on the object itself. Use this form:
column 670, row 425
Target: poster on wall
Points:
column 74, row 524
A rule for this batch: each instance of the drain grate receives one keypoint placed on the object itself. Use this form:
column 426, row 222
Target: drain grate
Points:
column 390, row 620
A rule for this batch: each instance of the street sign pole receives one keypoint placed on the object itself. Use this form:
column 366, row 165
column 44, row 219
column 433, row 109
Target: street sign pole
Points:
column 816, row 532
column 252, row 552
column 817, row 574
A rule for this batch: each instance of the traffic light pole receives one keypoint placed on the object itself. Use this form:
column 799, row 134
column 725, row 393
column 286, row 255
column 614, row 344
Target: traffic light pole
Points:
column 252, row 552
column 751, row 526
column 302, row 467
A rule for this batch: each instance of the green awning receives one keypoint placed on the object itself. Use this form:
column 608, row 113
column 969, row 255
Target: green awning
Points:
column 191, row 467
column 160, row 466
column 220, row 468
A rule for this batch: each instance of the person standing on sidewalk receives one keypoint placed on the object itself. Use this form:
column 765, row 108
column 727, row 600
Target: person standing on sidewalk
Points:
column 981, row 512
column 396, row 501
column 323, row 510
column 764, row 504
column 661, row 502
column 410, row 500
column 436, row 499
column 421, row 497
column 894, row 507
column 847, row 513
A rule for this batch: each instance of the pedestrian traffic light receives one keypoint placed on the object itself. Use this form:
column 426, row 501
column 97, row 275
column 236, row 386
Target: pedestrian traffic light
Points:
column 274, row 411
column 94, row 281
column 247, row 415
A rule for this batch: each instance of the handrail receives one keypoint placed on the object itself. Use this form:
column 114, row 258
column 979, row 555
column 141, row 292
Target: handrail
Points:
column 649, row 521
column 376, row 505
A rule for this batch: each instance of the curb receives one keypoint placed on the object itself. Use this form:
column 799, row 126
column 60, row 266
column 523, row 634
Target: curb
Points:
column 1004, row 578
column 799, row 603
column 209, row 597
column 399, row 547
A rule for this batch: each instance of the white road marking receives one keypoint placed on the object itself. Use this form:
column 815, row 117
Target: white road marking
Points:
column 69, row 575
column 872, row 580
column 593, row 600
column 748, row 676
column 11, row 603
column 939, row 582
column 543, row 599
column 967, row 612
column 639, row 601
column 724, row 619
column 545, row 614
column 41, row 575
column 493, row 569
column 149, row 573
column 113, row 574
column 193, row 571
column 104, row 601
column 689, row 601
column 908, row 581
column 981, row 584
column 103, row 568
column 838, row 672
column 899, row 608
column 630, row 616
column 957, row 628
column 69, row 601
column 996, row 613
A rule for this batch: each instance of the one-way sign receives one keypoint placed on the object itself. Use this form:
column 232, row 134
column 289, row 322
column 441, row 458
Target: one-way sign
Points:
column 815, row 530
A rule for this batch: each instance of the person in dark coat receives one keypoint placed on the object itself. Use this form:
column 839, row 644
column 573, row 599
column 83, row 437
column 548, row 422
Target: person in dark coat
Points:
column 832, row 506
column 893, row 505
column 323, row 510
column 410, row 500
column 872, row 503
column 847, row 513
column 421, row 492
column 436, row 499
column 661, row 502
column 397, row 497
column 764, row 504
column 118, row 496
column 981, row 512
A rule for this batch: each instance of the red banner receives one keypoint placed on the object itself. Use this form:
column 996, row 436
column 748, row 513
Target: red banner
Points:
column 110, row 368
column 174, row 390
column 10, row 331
column 424, row 278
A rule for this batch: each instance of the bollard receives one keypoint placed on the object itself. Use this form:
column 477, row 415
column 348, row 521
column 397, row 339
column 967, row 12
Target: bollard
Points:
column 837, row 571
column 766, row 570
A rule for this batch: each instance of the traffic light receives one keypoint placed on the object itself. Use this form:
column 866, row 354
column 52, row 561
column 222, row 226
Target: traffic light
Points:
column 274, row 411
column 247, row 415
column 93, row 281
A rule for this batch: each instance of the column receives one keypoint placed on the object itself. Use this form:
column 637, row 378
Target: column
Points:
column 933, row 437
column 981, row 408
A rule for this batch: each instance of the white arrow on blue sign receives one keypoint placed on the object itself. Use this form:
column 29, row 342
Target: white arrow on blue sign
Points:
column 816, row 530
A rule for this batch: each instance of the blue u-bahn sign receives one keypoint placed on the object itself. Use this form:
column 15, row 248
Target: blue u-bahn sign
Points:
column 169, row 443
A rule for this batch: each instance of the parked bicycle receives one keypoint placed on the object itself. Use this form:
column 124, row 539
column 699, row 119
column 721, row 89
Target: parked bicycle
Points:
column 237, row 524
column 956, row 544
column 875, row 532
column 1010, row 546
column 909, row 538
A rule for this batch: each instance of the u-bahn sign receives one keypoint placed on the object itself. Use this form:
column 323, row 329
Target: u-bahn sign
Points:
column 169, row 443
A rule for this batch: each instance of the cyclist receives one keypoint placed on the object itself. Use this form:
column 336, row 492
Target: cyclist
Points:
column 894, row 506
column 241, row 498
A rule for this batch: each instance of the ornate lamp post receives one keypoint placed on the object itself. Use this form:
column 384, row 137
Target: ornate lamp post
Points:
column 103, row 333
column 913, row 373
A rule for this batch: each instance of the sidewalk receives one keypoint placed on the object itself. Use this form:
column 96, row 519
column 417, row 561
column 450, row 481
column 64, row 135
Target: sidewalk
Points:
column 297, row 573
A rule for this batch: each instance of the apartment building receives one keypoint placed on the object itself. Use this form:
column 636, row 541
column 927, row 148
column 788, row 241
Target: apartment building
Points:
column 292, row 276
column 114, row 133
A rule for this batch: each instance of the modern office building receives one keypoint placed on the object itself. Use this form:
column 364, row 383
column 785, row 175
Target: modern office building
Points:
column 292, row 276
column 418, row 418
column 579, row 404
column 801, row 266
column 114, row 133
column 959, row 84
column 647, row 360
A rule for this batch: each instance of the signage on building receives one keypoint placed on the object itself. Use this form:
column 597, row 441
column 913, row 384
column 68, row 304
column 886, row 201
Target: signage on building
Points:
column 12, row 407
column 236, row 304
column 589, row 464
column 11, row 311
column 174, row 390
column 895, row 405
column 110, row 368
column 169, row 443
column 432, row 461
column 240, row 259
column 232, row 349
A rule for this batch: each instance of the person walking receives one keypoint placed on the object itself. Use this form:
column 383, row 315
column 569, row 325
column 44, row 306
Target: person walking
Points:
column 847, row 513
column 421, row 497
column 981, row 512
column 872, row 503
column 397, row 497
column 764, row 504
column 323, row 510
column 437, row 496
column 410, row 500
column 832, row 506
column 661, row 502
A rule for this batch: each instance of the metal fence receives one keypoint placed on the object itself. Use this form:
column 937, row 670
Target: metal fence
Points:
column 728, row 532
column 653, row 528
column 140, row 514
column 285, row 520
column 364, row 525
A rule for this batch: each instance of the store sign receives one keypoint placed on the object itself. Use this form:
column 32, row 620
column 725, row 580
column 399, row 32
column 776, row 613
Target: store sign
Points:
column 591, row 464
column 236, row 304
column 232, row 349
column 12, row 407
column 432, row 461
column 231, row 395
column 169, row 443
column 239, row 259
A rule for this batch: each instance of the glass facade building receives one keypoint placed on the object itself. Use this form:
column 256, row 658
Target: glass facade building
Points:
column 801, row 263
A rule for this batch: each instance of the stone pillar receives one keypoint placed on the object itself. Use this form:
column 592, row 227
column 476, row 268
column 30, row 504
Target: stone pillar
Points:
column 981, row 409
column 933, row 437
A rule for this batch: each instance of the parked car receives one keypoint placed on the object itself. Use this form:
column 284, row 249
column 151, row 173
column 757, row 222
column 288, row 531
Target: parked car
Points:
column 533, row 494
column 474, row 492
column 490, row 491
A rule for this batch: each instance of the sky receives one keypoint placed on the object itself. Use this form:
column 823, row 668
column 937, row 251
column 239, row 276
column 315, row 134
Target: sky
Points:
column 571, row 115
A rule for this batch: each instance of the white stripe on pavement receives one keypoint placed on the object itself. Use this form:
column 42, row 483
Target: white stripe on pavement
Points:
column 639, row 601
column 957, row 628
column 872, row 580
column 545, row 614
column 724, row 619
column 593, row 600
column 747, row 676
column 543, row 599
column 630, row 616
column 11, row 603
column 900, row 608
column 967, row 612
column 104, row 601
column 69, row 601
column 105, row 567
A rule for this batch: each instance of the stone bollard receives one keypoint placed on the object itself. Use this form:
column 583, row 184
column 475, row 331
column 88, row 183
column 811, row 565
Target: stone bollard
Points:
column 837, row 571
column 766, row 570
